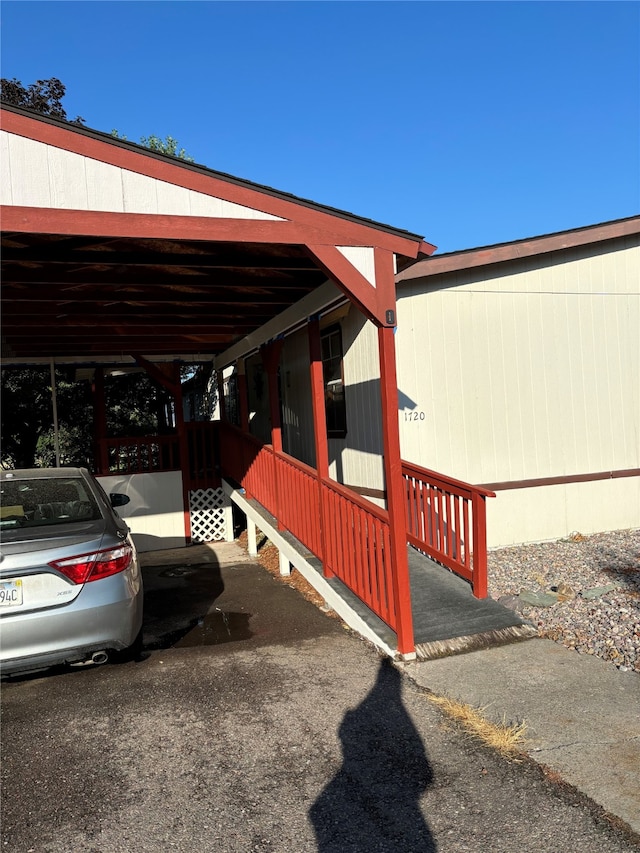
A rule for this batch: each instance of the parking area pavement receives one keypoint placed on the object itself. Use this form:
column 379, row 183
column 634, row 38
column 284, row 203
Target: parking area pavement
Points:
column 254, row 722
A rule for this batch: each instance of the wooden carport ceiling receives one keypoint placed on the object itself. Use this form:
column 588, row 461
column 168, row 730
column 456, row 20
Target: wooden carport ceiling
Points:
column 86, row 296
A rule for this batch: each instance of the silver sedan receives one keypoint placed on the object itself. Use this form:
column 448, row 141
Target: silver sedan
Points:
column 70, row 580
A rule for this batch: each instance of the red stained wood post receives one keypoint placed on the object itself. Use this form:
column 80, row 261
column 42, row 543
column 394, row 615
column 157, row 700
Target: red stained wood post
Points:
column 271, row 359
column 101, row 452
column 479, row 583
column 319, row 430
column 396, row 497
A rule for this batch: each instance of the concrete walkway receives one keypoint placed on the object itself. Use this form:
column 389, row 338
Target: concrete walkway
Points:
column 582, row 714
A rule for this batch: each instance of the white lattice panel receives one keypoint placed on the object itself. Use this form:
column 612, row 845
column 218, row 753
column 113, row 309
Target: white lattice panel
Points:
column 210, row 512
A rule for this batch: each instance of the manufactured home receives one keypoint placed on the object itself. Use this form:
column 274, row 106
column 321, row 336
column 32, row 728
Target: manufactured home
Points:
column 519, row 370
column 116, row 257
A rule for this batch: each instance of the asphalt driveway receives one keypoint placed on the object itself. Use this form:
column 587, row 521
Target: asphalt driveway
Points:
column 254, row 722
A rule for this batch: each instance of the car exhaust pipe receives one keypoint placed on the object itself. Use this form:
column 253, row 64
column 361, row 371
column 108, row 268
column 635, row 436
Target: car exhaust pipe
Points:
column 99, row 658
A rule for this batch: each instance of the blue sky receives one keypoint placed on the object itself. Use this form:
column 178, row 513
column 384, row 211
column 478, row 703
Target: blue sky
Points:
column 469, row 123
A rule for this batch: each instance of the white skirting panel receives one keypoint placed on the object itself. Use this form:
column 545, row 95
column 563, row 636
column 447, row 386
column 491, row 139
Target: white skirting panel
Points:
column 155, row 512
column 546, row 513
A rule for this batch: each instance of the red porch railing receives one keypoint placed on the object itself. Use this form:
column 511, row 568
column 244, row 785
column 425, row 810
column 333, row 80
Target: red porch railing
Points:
column 139, row 455
column 146, row 454
column 447, row 520
column 357, row 549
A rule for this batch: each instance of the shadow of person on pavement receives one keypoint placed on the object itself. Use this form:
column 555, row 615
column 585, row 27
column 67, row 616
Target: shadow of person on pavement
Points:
column 373, row 801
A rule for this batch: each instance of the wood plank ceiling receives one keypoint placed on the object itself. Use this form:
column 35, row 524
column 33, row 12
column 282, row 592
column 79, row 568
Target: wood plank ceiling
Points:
column 78, row 296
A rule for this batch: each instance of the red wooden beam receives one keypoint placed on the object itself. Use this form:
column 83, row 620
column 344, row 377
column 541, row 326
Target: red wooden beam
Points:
column 96, row 223
column 396, row 498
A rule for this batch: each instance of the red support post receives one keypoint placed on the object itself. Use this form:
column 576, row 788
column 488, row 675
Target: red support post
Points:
column 319, row 431
column 396, row 498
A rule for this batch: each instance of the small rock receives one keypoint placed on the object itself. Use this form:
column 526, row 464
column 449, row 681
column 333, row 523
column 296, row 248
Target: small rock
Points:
column 565, row 591
column 538, row 599
column 597, row 591
column 511, row 601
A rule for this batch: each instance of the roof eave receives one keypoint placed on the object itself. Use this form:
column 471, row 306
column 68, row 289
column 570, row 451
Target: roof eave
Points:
column 529, row 247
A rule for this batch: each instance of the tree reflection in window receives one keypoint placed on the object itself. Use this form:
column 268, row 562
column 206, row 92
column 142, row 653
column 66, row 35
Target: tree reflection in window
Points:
column 331, row 339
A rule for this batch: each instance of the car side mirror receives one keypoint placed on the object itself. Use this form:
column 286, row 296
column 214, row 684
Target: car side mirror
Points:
column 118, row 499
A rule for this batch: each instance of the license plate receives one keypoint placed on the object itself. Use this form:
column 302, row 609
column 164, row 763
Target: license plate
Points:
column 10, row 593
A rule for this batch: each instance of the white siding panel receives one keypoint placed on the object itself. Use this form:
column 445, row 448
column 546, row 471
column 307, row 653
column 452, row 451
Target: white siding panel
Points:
column 362, row 258
column 104, row 187
column 172, row 199
column 29, row 172
column 140, row 193
column 39, row 175
column 206, row 205
column 230, row 210
column 67, row 180
column 6, row 195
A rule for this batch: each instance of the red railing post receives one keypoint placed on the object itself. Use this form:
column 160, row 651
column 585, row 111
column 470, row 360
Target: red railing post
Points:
column 319, row 431
column 479, row 584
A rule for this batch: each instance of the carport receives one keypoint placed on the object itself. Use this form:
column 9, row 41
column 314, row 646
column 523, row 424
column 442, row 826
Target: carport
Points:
column 115, row 255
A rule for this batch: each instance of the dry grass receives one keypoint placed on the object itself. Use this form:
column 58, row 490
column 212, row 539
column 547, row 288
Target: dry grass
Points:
column 508, row 740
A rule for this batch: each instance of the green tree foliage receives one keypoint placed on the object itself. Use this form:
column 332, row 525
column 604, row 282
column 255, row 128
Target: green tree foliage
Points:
column 43, row 96
column 168, row 145
column 27, row 418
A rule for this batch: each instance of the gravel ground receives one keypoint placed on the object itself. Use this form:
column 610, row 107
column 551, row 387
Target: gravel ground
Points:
column 590, row 586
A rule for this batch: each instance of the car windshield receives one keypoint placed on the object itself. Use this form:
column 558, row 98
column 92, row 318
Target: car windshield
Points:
column 38, row 502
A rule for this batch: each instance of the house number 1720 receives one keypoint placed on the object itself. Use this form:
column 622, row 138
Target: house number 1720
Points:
column 414, row 416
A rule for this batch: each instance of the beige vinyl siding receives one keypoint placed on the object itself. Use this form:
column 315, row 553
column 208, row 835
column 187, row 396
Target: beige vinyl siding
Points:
column 526, row 370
